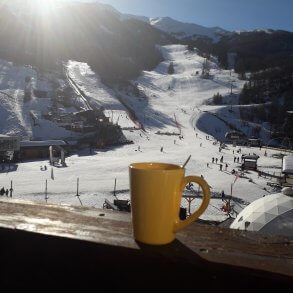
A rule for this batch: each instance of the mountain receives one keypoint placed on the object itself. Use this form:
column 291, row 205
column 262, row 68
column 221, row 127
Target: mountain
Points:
column 183, row 30
column 175, row 28
column 117, row 49
column 251, row 51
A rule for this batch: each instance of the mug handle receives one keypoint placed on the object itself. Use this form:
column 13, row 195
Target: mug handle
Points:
column 179, row 225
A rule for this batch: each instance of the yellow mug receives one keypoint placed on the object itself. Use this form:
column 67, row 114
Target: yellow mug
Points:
column 156, row 191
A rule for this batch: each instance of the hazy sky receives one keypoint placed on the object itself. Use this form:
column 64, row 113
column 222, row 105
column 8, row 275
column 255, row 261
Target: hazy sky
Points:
column 228, row 14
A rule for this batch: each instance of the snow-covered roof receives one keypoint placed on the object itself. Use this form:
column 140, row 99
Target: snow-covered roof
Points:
column 250, row 157
column 6, row 136
column 43, row 143
column 271, row 214
column 288, row 164
column 234, row 133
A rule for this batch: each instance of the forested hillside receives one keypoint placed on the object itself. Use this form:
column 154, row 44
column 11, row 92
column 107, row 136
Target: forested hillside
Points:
column 116, row 49
column 265, row 60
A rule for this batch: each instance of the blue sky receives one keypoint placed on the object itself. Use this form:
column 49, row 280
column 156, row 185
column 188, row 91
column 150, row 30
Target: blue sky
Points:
column 228, row 14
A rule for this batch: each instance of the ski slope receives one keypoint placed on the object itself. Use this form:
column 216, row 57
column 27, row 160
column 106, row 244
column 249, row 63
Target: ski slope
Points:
column 173, row 104
column 15, row 111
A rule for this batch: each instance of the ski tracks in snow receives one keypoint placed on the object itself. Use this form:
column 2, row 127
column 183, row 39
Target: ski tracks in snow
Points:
column 22, row 113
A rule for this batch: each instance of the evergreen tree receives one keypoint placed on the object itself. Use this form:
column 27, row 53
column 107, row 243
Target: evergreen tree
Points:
column 217, row 99
column 190, row 47
column 171, row 68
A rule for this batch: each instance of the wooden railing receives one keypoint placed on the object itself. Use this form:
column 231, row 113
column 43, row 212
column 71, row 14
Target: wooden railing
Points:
column 65, row 246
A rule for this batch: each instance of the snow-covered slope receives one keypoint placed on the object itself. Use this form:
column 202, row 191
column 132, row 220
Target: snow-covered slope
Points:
column 168, row 105
column 16, row 112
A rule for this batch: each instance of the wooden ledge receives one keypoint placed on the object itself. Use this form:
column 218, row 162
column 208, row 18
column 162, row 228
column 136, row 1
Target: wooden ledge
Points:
column 65, row 243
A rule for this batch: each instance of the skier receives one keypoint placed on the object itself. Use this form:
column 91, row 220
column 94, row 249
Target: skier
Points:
column 223, row 195
column 221, row 167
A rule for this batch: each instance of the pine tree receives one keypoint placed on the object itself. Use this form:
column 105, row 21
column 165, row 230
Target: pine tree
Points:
column 171, row 68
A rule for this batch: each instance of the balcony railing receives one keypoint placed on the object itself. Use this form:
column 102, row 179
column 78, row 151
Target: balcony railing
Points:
column 66, row 246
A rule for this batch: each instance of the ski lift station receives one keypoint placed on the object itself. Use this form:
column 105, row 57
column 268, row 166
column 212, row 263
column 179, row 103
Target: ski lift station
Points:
column 236, row 136
column 41, row 149
column 287, row 171
column 272, row 214
column 254, row 142
column 250, row 162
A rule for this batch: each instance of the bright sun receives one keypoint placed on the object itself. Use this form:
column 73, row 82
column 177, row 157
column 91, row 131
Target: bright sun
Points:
column 46, row 6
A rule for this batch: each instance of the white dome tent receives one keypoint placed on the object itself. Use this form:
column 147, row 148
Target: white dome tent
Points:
column 272, row 214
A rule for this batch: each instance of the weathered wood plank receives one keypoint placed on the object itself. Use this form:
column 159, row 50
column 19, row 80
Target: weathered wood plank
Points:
column 61, row 234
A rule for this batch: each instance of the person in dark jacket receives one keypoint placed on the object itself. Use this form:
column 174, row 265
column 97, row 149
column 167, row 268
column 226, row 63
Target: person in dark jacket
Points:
column 223, row 194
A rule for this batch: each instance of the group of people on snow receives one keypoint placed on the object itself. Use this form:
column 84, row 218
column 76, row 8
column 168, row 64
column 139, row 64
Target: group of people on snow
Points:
column 4, row 192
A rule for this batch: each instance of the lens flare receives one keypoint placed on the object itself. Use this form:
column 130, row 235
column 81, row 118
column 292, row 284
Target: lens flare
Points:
column 44, row 7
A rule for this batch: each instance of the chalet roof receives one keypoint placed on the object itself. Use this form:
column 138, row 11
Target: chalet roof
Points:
column 236, row 133
column 7, row 136
column 42, row 143
column 250, row 157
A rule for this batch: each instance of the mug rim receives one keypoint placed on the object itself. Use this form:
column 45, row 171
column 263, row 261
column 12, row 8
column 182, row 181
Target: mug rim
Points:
column 147, row 167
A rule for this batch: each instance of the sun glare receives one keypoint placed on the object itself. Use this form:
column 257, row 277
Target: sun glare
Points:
column 46, row 6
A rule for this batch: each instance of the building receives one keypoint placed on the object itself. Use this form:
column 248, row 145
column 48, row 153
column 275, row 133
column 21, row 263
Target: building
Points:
column 272, row 214
column 254, row 142
column 39, row 149
column 236, row 136
column 249, row 162
column 287, row 171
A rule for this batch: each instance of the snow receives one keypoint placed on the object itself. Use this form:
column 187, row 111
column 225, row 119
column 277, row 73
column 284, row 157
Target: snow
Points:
column 169, row 104
column 98, row 93
column 15, row 112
